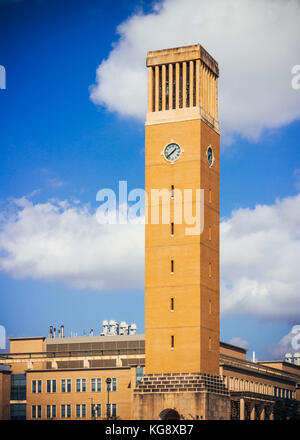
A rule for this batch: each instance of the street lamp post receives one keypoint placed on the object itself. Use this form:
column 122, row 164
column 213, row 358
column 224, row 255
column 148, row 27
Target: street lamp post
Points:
column 108, row 382
column 93, row 413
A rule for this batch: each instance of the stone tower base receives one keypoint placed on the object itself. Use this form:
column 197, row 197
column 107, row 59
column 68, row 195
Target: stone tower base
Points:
column 187, row 396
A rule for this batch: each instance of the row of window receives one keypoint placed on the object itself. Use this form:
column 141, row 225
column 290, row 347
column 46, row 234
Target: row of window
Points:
column 80, row 411
column 80, row 385
column 236, row 384
column 283, row 393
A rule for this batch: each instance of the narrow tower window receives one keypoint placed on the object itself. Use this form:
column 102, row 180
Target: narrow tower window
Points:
column 172, row 341
column 172, row 266
column 209, row 196
column 174, row 86
column 194, row 84
column 209, row 233
column 187, row 85
column 209, row 343
column 180, row 85
column 172, row 191
column 167, row 87
column 209, row 270
column 160, row 88
column 172, row 229
column 209, row 307
column 172, row 304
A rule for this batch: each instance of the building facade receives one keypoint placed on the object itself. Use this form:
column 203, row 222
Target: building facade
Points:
column 65, row 379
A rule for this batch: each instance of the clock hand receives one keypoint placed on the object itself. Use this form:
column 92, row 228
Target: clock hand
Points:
column 171, row 153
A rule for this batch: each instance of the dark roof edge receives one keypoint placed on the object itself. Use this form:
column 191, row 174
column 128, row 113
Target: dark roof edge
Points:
column 233, row 347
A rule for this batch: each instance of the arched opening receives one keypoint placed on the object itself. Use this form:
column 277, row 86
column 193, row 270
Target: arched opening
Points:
column 169, row 414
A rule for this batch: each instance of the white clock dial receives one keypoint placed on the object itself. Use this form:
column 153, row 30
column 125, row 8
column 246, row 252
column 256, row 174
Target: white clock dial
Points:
column 172, row 152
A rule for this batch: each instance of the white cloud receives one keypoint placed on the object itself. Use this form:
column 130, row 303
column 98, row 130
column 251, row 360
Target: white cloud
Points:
column 284, row 346
column 63, row 241
column 260, row 251
column 239, row 342
column 256, row 43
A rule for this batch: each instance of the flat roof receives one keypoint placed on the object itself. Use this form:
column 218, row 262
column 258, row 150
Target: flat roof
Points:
column 233, row 347
column 26, row 338
column 82, row 339
column 288, row 364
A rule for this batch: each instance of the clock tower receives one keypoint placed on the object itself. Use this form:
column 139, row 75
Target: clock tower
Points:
column 182, row 150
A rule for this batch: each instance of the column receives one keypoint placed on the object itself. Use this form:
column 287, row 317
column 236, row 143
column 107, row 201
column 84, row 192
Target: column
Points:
column 262, row 413
column 205, row 89
column 184, row 84
column 211, row 106
column 150, row 89
column 198, row 83
column 191, row 83
column 242, row 409
column 177, row 85
column 156, row 88
column 163, row 87
column 216, row 98
column 170, row 86
column 252, row 411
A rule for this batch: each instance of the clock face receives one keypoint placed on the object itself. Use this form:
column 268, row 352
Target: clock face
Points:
column 172, row 152
column 210, row 156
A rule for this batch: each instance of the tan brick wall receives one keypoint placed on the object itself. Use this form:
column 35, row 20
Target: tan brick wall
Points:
column 121, row 397
column 4, row 395
column 194, row 292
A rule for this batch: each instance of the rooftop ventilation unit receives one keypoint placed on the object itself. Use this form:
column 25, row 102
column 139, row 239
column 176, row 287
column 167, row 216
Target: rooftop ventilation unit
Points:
column 132, row 329
column 124, row 328
column 288, row 357
column 104, row 328
column 297, row 359
column 113, row 328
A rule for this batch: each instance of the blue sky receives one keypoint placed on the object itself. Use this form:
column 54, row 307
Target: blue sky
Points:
column 59, row 143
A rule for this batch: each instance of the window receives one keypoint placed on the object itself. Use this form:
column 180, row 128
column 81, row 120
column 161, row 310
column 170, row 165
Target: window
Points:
column 209, row 196
column 209, row 233
column 172, row 341
column 96, row 385
column 172, row 304
column 18, row 387
column 209, row 343
column 66, row 386
column 81, row 411
column 65, row 411
column 18, row 411
column 172, row 266
column 111, row 410
column 36, row 411
column 80, row 385
column 96, row 410
column 36, row 386
column 51, row 386
column 139, row 374
column 209, row 270
column 51, row 411
column 209, row 307
column 172, row 191
column 172, row 229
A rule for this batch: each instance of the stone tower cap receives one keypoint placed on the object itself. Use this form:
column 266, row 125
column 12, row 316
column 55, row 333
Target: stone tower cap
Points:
column 180, row 54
